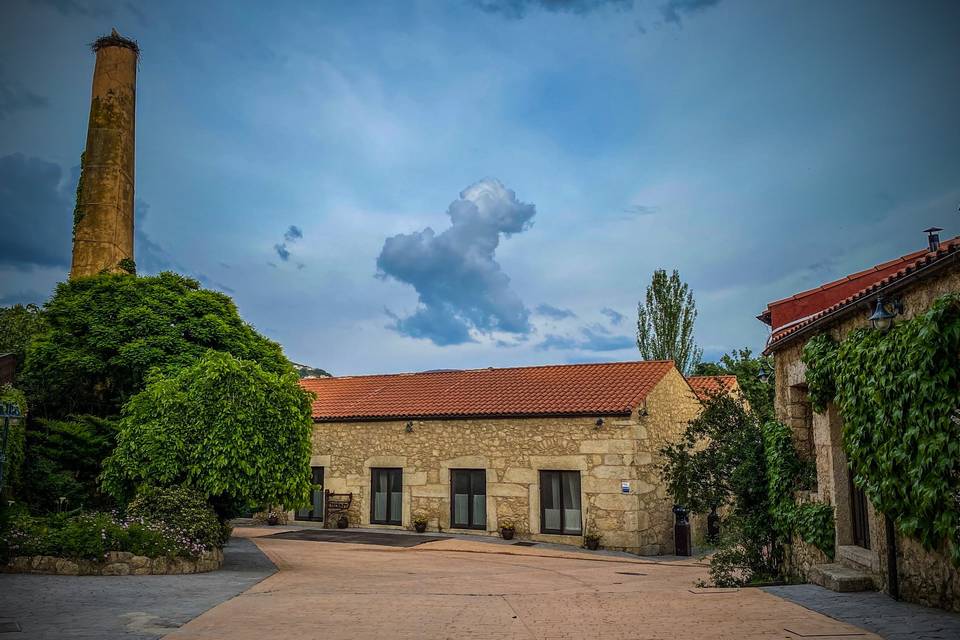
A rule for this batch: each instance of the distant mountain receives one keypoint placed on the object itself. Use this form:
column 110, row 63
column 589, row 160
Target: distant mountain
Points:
column 307, row 371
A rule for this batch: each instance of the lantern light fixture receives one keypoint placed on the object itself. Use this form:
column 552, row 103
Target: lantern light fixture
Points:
column 884, row 312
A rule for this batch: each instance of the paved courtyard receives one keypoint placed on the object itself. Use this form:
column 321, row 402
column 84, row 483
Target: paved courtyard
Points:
column 456, row 588
column 366, row 584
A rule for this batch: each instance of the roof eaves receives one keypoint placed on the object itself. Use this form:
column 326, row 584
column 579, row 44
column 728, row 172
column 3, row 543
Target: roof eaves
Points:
column 894, row 282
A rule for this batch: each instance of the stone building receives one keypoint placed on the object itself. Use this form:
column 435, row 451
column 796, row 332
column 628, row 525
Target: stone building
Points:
column 556, row 450
column 863, row 535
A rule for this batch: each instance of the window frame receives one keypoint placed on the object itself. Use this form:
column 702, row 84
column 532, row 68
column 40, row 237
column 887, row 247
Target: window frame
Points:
column 374, row 472
column 544, row 474
column 470, row 510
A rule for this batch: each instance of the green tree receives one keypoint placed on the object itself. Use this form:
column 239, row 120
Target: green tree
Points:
column 741, row 363
column 665, row 322
column 63, row 460
column 18, row 325
column 229, row 429
column 106, row 333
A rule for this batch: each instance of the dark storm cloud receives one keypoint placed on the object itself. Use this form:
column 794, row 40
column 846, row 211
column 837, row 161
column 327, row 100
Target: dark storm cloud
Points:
column 459, row 283
column 518, row 8
column 282, row 251
column 35, row 212
column 590, row 338
column 291, row 235
column 675, row 10
column 554, row 313
column 638, row 210
column 615, row 317
column 15, row 97
column 71, row 8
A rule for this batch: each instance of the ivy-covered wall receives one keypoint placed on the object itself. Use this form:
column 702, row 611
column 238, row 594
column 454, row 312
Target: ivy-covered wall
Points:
column 927, row 573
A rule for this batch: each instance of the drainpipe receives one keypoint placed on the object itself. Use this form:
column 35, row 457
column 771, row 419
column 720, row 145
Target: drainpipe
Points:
column 893, row 577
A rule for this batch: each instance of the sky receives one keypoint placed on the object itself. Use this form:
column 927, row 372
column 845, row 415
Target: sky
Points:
column 405, row 186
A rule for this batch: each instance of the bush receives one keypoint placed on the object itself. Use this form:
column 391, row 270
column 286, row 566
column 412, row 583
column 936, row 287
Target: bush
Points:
column 181, row 508
column 91, row 536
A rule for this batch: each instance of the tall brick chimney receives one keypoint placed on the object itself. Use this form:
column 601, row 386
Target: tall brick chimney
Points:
column 103, row 217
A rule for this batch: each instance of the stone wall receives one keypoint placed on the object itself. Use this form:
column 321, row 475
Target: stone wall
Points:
column 117, row 563
column 513, row 451
column 926, row 577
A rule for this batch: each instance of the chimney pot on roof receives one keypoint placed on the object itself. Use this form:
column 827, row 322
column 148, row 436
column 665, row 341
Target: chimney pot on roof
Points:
column 933, row 237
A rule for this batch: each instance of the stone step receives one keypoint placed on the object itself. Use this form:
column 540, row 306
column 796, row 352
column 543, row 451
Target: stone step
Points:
column 837, row 577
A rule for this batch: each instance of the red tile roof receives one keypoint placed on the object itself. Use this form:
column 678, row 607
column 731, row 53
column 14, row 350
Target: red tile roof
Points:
column 789, row 316
column 707, row 386
column 558, row 390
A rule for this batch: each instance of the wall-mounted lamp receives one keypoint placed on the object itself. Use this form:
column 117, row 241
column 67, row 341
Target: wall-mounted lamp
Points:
column 884, row 313
column 409, row 427
column 763, row 375
column 598, row 424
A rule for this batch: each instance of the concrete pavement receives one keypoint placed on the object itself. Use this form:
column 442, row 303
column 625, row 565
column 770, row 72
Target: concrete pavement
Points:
column 457, row 588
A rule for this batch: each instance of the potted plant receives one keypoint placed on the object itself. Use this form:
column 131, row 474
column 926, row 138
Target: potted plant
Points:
column 592, row 541
column 420, row 523
column 507, row 529
column 274, row 518
column 343, row 522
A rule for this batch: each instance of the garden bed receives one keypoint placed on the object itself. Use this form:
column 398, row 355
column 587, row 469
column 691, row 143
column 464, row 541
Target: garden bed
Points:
column 117, row 563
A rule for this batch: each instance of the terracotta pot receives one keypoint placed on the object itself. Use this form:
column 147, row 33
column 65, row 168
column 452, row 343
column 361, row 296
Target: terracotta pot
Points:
column 506, row 534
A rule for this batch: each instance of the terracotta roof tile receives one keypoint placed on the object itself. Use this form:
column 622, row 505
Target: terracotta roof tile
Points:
column 885, row 274
column 579, row 389
column 706, row 386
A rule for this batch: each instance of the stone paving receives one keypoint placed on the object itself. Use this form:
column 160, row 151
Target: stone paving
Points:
column 876, row 612
column 129, row 607
column 457, row 588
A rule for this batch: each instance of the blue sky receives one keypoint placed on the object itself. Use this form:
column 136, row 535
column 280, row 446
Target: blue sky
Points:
column 406, row 186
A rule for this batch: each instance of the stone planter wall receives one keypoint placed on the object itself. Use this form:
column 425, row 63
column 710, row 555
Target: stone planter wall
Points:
column 117, row 563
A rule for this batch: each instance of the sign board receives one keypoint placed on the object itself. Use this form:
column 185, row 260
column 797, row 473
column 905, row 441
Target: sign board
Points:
column 624, row 487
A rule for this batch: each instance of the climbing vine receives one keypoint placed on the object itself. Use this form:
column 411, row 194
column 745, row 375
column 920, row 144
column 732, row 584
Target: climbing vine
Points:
column 77, row 211
column 811, row 522
column 898, row 393
column 820, row 355
column 127, row 265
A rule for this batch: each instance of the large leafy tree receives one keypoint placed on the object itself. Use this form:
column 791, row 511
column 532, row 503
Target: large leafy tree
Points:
column 106, row 333
column 665, row 322
column 18, row 325
column 63, row 461
column 747, row 368
column 228, row 428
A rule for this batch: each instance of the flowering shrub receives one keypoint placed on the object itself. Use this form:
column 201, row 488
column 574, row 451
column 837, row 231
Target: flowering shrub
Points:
column 91, row 536
column 182, row 508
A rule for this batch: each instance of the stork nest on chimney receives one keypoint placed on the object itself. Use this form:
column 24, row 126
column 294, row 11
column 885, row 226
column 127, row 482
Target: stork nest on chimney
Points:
column 115, row 40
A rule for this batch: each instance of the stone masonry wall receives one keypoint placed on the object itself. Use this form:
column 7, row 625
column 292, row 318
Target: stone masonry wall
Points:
column 513, row 451
column 926, row 577
column 117, row 563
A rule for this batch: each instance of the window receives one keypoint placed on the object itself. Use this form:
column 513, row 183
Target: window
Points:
column 386, row 507
column 468, row 498
column 315, row 510
column 560, row 502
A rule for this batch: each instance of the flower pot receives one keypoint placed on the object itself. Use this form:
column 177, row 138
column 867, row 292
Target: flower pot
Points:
column 342, row 522
column 506, row 534
column 591, row 543
column 420, row 527
column 273, row 521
